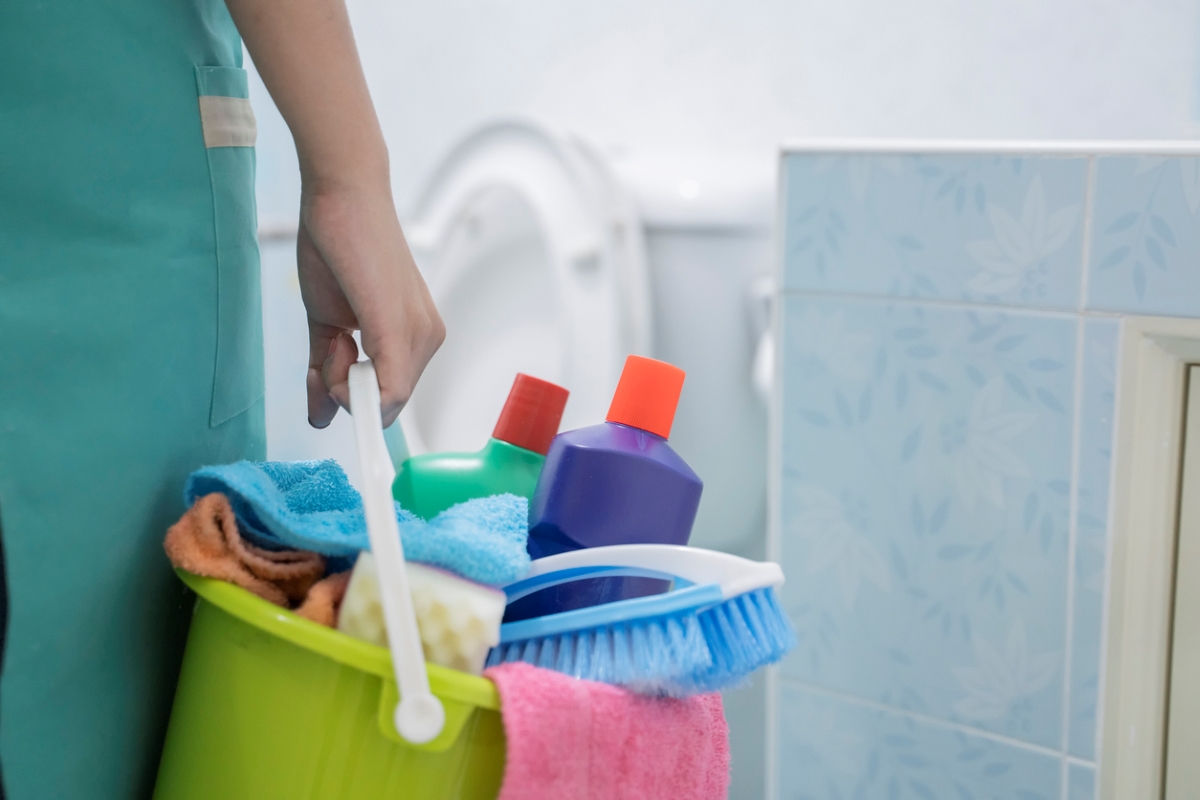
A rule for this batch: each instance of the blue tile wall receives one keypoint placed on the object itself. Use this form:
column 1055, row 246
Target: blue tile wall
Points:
column 949, row 350
column 1081, row 782
column 1098, row 395
column 989, row 230
column 927, row 456
column 838, row 750
column 1146, row 236
column 930, row 557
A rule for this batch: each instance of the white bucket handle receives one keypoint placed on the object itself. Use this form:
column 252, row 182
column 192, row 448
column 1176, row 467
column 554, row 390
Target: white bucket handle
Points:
column 419, row 716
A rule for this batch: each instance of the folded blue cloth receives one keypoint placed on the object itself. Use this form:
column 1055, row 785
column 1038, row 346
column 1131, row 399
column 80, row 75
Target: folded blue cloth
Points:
column 310, row 505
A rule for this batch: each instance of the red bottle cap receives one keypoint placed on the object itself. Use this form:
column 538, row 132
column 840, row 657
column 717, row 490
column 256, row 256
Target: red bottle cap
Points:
column 647, row 395
column 531, row 413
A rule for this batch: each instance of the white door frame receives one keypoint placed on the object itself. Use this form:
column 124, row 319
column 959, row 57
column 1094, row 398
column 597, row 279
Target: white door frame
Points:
column 1147, row 453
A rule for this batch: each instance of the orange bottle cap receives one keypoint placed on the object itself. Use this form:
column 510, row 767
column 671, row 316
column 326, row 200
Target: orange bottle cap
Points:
column 531, row 413
column 647, row 395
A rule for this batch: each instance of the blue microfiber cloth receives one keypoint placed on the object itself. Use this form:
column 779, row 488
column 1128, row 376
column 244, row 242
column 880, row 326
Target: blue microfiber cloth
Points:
column 310, row 505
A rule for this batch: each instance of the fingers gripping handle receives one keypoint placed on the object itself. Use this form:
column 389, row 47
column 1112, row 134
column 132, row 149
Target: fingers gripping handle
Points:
column 419, row 717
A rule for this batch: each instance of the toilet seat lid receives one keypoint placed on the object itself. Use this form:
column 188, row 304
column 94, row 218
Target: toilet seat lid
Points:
column 535, row 259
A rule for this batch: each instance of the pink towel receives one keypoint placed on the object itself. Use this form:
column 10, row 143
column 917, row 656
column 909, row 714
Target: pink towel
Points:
column 570, row 739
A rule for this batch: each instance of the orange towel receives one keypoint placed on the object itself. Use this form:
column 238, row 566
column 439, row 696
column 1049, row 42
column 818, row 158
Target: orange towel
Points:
column 325, row 599
column 206, row 541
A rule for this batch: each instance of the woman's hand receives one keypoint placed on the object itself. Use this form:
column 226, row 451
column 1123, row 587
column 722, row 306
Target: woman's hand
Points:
column 356, row 272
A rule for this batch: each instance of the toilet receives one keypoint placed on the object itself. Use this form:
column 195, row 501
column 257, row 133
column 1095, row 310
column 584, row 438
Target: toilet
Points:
column 548, row 256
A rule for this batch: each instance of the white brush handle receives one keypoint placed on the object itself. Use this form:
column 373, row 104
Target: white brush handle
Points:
column 734, row 574
column 419, row 716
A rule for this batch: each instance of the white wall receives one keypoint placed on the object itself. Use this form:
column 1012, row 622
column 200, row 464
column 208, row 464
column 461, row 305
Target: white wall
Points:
column 745, row 74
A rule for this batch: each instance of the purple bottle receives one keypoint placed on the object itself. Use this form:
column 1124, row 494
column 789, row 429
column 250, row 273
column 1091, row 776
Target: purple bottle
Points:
column 618, row 482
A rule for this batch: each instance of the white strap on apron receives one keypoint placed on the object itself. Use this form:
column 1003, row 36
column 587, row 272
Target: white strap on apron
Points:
column 227, row 122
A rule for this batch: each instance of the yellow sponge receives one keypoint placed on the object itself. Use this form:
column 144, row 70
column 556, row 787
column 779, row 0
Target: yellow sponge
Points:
column 459, row 619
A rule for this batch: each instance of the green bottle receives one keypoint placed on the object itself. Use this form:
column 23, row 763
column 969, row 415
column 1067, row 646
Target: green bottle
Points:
column 510, row 461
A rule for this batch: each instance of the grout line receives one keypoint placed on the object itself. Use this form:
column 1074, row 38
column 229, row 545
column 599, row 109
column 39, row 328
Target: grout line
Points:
column 927, row 719
column 1072, row 539
column 976, row 305
column 937, row 301
column 775, row 481
column 1089, row 210
column 821, row 145
column 771, row 760
column 1105, row 616
column 1073, row 761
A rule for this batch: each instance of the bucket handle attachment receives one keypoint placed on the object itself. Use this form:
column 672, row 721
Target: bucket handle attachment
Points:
column 419, row 717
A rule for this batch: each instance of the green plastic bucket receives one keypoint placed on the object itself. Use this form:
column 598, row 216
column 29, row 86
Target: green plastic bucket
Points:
column 272, row 706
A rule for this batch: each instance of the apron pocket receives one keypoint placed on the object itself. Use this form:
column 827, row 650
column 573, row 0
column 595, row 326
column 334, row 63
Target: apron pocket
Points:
column 229, row 133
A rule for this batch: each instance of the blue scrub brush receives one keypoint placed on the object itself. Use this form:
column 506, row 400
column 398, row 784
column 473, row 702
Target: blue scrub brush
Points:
column 720, row 621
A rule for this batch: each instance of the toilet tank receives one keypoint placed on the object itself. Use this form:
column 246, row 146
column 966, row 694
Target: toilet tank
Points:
column 707, row 226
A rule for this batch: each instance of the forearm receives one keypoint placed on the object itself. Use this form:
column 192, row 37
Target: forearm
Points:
column 354, row 266
column 305, row 52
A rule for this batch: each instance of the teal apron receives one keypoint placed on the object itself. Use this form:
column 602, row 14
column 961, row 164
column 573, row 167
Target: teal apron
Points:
column 130, row 354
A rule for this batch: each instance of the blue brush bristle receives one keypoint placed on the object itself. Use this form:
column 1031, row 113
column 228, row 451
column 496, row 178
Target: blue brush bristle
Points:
column 676, row 655
column 744, row 634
